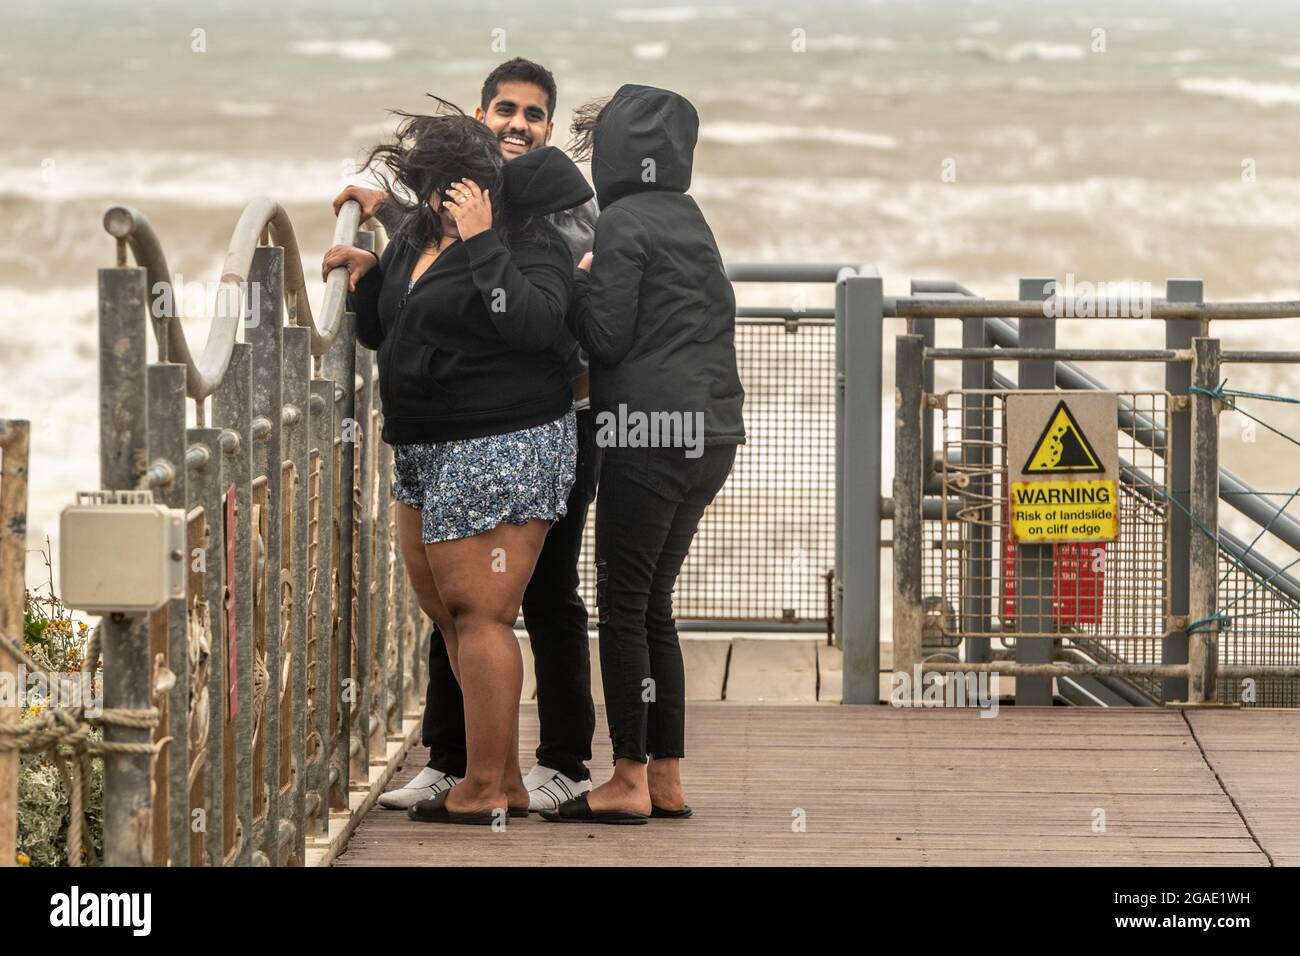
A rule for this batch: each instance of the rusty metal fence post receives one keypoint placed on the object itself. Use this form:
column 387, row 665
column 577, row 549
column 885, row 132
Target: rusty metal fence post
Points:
column 1203, row 551
column 128, row 666
column 909, row 475
column 14, row 439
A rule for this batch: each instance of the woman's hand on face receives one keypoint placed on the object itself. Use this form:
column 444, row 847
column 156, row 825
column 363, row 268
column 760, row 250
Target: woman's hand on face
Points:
column 357, row 261
column 470, row 207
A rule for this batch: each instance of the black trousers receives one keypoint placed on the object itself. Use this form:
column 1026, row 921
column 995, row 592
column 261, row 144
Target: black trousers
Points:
column 556, row 619
column 647, row 512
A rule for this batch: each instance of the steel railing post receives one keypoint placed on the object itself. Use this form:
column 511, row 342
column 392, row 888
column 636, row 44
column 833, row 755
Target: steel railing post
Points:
column 204, row 490
column 264, row 332
column 128, row 667
column 323, row 427
column 837, row 583
column 15, row 437
column 977, row 459
column 1203, row 548
column 909, row 476
column 297, row 369
column 167, row 443
column 1035, row 563
column 1178, row 376
column 859, row 526
column 232, row 412
column 341, row 366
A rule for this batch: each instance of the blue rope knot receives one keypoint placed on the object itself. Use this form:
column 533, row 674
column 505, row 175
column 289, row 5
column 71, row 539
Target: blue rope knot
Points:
column 1217, row 393
column 1221, row 619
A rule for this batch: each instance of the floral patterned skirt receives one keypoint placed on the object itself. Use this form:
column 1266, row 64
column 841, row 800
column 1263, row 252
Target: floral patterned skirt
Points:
column 468, row 486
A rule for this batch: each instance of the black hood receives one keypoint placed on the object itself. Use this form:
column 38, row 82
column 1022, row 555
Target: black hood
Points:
column 543, row 181
column 643, row 123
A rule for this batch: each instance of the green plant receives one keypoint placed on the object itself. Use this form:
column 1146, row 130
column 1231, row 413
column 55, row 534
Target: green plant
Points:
column 55, row 640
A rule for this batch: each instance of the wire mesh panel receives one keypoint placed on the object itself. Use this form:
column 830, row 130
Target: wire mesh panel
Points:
column 768, row 539
column 1262, row 627
column 1111, row 592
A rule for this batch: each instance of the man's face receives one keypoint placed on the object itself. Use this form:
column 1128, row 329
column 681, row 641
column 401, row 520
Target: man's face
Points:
column 519, row 118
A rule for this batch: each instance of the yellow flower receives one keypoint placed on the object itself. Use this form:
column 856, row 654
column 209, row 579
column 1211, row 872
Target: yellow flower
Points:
column 24, row 859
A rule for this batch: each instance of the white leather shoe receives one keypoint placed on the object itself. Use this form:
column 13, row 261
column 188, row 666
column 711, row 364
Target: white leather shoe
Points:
column 426, row 784
column 548, row 788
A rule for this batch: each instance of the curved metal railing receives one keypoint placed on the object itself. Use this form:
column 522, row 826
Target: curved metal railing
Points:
column 290, row 666
column 262, row 219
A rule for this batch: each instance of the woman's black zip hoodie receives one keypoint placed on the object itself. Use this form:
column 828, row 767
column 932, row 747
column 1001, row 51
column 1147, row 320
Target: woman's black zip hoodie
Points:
column 659, row 319
column 475, row 347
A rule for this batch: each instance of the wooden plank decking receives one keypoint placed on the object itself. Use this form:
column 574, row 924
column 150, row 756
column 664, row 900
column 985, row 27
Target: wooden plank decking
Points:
column 879, row 785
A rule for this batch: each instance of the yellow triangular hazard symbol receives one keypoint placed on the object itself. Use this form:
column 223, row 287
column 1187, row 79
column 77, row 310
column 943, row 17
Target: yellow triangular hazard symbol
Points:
column 1062, row 448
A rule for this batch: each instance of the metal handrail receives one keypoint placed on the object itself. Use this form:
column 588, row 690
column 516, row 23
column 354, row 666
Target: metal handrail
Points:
column 943, row 307
column 260, row 217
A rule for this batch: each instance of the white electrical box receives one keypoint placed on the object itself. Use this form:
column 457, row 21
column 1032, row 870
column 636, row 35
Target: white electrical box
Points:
column 119, row 551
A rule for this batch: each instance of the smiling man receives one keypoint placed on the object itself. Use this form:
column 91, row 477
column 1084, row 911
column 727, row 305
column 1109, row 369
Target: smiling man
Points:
column 518, row 106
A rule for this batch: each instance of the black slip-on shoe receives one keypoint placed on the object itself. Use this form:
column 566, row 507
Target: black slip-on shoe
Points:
column 519, row 812
column 434, row 810
column 578, row 810
column 659, row 813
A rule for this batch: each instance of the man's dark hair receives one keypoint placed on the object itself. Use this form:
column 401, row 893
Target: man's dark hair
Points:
column 520, row 70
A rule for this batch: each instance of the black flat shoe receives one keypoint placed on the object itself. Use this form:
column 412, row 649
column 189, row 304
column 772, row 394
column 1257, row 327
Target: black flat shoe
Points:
column 434, row 810
column 578, row 810
column 659, row 813
column 519, row 812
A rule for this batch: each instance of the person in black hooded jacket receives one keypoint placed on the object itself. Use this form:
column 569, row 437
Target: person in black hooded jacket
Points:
column 466, row 310
column 657, row 318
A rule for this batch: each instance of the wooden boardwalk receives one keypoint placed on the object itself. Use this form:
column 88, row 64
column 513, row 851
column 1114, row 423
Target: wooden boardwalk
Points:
column 826, row 784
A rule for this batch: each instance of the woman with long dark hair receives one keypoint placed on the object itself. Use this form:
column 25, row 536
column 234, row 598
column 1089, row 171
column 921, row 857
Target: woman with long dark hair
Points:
column 466, row 309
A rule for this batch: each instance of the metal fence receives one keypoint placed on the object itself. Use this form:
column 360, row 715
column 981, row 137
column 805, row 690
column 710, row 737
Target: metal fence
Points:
column 973, row 470
column 241, row 720
column 1160, row 629
column 764, row 547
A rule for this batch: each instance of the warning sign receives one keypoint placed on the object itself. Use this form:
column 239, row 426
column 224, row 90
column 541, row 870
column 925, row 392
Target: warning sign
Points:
column 1063, row 448
column 1066, row 490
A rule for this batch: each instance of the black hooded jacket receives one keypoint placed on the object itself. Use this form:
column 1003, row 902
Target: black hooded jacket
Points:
column 478, row 345
column 657, row 315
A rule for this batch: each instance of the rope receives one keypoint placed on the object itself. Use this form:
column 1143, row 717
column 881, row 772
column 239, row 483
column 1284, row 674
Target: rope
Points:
column 1220, row 619
column 64, row 732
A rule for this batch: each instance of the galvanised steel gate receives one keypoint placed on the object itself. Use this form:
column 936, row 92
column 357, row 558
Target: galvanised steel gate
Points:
column 765, row 549
column 1191, row 612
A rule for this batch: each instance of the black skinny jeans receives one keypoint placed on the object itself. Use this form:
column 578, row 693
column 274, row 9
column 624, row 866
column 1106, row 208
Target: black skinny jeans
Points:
column 556, row 619
column 647, row 511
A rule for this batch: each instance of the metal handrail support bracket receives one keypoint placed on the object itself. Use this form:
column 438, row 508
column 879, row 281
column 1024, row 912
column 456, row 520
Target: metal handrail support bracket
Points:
column 860, row 327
